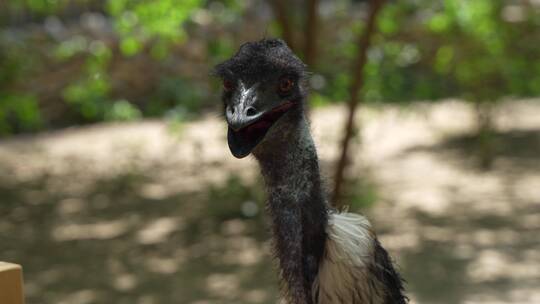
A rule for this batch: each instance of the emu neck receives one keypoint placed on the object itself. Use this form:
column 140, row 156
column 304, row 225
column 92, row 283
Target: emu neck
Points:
column 286, row 158
column 297, row 204
column 289, row 164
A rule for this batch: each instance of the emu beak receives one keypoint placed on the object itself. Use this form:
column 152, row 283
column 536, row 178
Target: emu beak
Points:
column 247, row 131
column 241, row 114
column 248, row 121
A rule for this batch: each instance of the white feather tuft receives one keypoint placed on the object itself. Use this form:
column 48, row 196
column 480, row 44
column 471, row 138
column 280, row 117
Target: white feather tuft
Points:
column 343, row 275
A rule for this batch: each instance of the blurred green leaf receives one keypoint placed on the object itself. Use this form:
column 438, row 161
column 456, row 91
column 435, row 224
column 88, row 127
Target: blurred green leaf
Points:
column 443, row 59
column 439, row 23
column 130, row 46
column 141, row 21
column 19, row 112
column 122, row 110
column 92, row 57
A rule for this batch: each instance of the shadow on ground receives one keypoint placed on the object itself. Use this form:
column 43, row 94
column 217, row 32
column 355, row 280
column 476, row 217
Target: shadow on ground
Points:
column 520, row 145
column 121, row 237
column 112, row 244
column 482, row 250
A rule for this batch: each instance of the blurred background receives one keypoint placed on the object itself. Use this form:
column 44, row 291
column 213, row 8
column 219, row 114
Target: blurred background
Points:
column 117, row 186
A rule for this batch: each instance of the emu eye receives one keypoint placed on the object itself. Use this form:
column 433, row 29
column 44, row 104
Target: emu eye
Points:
column 285, row 85
column 228, row 85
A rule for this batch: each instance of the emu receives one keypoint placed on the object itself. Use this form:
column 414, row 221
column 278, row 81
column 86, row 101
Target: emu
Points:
column 325, row 256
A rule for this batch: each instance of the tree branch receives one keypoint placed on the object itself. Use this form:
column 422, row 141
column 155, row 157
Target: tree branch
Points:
column 364, row 41
column 280, row 13
column 310, row 42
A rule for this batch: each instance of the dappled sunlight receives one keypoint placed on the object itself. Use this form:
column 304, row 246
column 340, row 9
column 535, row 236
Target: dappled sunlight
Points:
column 222, row 285
column 162, row 265
column 124, row 282
column 492, row 265
column 83, row 297
column 243, row 251
column 99, row 231
column 118, row 185
column 172, row 216
column 158, row 230
column 69, row 206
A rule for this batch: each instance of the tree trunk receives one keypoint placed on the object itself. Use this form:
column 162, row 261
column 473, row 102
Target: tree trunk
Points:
column 280, row 12
column 357, row 83
column 310, row 42
column 485, row 134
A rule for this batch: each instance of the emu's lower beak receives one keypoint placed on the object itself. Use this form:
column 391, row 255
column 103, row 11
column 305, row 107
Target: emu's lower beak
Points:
column 248, row 128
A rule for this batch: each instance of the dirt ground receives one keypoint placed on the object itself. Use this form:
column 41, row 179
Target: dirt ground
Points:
column 145, row 213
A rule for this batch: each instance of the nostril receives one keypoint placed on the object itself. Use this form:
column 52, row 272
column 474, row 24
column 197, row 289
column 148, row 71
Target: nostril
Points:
column 251, row 111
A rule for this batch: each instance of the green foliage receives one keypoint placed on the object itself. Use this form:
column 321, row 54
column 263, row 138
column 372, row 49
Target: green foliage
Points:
column 37, row 6
column 388, row 21
column 89, row 95
column 19, row 112
column 318, row 100
column 177, row 92
column 427, row 50
column 123, row 110
column 220, row 49
column 125, row 59
column 338, row 87
column 176, row 100
column 361, row 193
column 484, row 51
column 140, row 21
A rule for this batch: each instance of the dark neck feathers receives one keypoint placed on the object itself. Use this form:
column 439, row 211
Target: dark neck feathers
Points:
column 297, row 203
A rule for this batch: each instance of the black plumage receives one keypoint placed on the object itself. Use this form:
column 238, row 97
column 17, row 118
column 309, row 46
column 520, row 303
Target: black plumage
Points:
column 325, row 257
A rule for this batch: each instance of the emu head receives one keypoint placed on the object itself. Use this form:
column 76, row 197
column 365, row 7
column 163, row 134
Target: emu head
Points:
column 263, row 82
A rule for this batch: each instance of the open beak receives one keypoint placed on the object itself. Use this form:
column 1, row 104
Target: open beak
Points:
column 247, row 126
